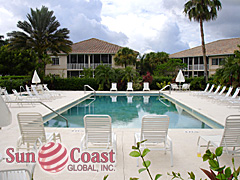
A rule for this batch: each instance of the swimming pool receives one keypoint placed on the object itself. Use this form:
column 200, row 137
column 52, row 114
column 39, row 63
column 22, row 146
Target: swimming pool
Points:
column 127, row 111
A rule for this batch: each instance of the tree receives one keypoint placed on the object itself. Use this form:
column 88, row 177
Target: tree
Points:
column 104, row 75
column 125, row 56
column 3, row 42
column 152, row 60
column 229, row 73
column 22, row 62
column 41, row 34
column 130, row 74
column 202, row 10
column 169, row 67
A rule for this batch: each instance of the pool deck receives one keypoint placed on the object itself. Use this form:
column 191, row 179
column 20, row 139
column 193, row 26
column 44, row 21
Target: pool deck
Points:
column 184, row 141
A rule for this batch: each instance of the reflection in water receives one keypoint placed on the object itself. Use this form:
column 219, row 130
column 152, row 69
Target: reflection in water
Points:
column 127, row 112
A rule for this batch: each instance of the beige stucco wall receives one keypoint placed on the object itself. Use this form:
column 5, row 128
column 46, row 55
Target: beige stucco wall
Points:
column 213, row 68
column 61, row 69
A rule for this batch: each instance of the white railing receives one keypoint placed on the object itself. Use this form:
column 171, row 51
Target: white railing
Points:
column 197, row 67
column 77, row 65
column 85, row 87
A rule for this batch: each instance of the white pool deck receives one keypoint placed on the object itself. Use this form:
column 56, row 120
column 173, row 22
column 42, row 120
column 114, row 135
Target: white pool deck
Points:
column 184, row 142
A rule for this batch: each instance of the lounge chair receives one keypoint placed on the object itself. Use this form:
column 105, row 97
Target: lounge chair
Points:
column 219, row 94
column 146, row 86
column 54, row 93
column 234, row 96
column 210, row 93
column 186, row 87
column 32, row 128
column 205, row 90
column 98, row 133
column 229, row 140
column 114, row 87
column 155, row 130
column 129, row 86
column 42, row 96
column 174, row 86
column 222, row 98
column 23, row 173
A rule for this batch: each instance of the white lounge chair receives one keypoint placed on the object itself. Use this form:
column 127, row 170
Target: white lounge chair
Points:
column 233, row 98
column 208, row 92
column 229, row 140
column 114, row 87
column 146, row 86
column 205, row 90
column 53, row 93
column 129, row 86
column 174, row 86
column 32, row 128
column 155, row 130
column 218, row 94
column 42, row 96
column 98, row 133
column 186, row 87
column 222, row 98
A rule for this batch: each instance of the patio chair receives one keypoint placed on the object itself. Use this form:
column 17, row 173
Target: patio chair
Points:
column 233, row 97
column 186, row 87
column 54, row 93
column 98, row 133
column 155, row 130
column 205, row 90
column 32, row 128
column 129, row 86
column 146, row 86
column 212, row 93
column 42, row 96
column 114, row 87
column 218, row 94
column 221, row 98
column 174, row 86
column 229, row 140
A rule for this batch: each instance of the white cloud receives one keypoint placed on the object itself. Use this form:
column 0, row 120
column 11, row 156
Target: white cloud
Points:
column 139, row 24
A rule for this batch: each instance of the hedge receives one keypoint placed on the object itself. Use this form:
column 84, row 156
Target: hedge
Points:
column 76, row 83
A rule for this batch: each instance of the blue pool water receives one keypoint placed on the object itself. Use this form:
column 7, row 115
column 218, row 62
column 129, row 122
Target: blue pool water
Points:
column 127, row 112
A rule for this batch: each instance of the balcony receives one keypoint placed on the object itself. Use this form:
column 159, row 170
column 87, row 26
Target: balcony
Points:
column 196, row 67
column 71, row 66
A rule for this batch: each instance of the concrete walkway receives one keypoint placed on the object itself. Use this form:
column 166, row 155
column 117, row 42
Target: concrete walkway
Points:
column 184, row 142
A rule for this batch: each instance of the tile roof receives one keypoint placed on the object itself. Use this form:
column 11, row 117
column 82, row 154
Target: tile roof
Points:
column 220, row 47
column 95, row 46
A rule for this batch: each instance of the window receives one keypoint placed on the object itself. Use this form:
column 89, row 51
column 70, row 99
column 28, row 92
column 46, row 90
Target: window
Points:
column 55, row 61
column 218, row 61
column 214, row 61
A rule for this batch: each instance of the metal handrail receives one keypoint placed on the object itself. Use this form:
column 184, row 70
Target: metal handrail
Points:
column 43, row 105
column 85, row 86
column 165, row 88
column 21, row 87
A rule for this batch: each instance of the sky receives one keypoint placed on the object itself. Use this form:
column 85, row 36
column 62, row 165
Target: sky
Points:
column 142, row 25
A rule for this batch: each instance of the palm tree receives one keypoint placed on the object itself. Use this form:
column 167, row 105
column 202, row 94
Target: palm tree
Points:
column 130, row 74
column 125, row 56
column 202, row 10
column 104, row 75
column 41, row 34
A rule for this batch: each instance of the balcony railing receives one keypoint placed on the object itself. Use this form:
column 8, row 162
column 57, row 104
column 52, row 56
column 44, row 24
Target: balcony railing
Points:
column 196, row 67
column 82, row 65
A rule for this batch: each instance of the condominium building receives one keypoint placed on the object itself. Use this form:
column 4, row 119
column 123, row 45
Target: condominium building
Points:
column 85, row 54
column 216, row 53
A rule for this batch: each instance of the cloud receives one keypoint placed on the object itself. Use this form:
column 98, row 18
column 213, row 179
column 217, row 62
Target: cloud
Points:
column 81, row 17
column 138, row 24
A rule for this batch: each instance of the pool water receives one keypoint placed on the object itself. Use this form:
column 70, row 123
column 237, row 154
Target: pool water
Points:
column 127, row 112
